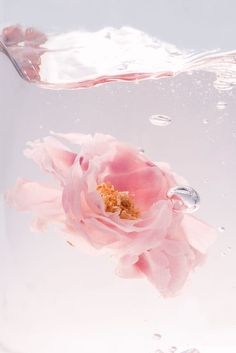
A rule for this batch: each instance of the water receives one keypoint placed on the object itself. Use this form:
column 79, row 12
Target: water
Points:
column 58, row 298
column 82, row 59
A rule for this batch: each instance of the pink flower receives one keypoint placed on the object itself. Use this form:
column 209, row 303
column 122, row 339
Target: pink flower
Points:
column 110, row 196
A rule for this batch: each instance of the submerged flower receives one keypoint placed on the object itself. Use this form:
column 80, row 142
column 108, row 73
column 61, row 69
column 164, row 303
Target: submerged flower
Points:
column 108, row 195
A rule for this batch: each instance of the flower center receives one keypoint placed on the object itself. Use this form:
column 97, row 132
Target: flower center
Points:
column 118, row 201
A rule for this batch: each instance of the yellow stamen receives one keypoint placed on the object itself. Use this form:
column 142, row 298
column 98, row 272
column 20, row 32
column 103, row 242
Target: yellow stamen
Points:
column 118, row 201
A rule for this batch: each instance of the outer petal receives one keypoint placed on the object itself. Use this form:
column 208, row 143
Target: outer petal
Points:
column 167, row 273
column 52, row 157
column 199, row 234
column 171, row 177
column 42, row 200
column 74, row 138
column 127, row 268
column 168, row 266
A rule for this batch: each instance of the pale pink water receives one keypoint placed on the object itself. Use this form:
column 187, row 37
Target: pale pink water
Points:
column 58, row 300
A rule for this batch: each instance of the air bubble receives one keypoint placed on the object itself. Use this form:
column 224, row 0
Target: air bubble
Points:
column 221, row 229
column 221, row 105
column 227, row 251
column 184, row 198
column 160, row 120
column 205, row 121
column 141, row 150
column 157, row 336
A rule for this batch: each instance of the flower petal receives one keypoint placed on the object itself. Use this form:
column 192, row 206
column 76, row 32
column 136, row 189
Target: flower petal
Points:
column 140, row 241
column 52, row 157
column 126, row 267
column 168, row 268
column 74, row 138
column 42, row 200
column 199, row 234
column 130, row 171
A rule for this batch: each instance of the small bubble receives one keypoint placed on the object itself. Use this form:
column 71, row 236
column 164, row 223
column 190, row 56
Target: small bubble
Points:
column 221, row 105
column 184, row 198
column 220, row 120
column 108, row 35
column 192, row 350
column 227, row 251
column 141, row 150
column 160, row 120
column 221, row 229
column 205, row 121
column 157, row 336
column 41, row 127
column 173, row 349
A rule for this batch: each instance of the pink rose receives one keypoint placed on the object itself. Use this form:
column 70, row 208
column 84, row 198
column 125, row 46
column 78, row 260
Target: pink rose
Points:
column 110, row 196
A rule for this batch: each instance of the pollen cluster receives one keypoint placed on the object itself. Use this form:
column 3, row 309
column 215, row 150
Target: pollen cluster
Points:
column 118, row 201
